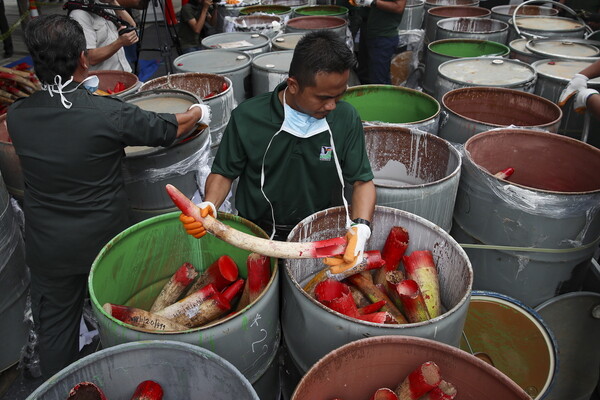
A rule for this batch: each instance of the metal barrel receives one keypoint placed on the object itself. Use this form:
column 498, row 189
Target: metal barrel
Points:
column 388, row 104
column 519, row 51
column 306, row 321
column 266, row 24
column 286, row 41
column 282, row 11
column 108, row 79
column 542, row 225
column 412, row 17
column 438, row 3
column 146, row 170
column 251, row 43
column 414, row 171
column 269, row 70
column 472, row 28
column 10, row 164
column 484, row 71
column 436, row 14
column 506, row 12
column 209, row 88
column 553, row 76
column 546, row 26
column 356, row 370
column 469, row 111
column 513, row 338
column 441, row 51
column 231, row 10
column 571, row 49
column 233, row 64
column 314, row 23
column 574, row 319
column 153, row 250
column 14, row 284
column 182, row 370
column 328, row 10
column 290, row 3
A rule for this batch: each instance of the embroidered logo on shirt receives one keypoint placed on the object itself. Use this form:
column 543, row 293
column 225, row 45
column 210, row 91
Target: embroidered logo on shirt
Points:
column 326, row 152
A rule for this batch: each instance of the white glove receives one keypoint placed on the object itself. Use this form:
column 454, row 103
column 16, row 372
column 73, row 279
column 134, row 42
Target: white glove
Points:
column 361, row 3
column 581, row 98
column 577, row 83
column 206, row 113
column 212, row 210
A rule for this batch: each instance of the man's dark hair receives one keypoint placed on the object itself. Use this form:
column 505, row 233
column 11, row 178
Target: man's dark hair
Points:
column 319, row 51
column 55, row 43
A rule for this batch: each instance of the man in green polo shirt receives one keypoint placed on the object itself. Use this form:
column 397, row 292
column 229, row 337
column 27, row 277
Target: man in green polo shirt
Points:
column 291, row 160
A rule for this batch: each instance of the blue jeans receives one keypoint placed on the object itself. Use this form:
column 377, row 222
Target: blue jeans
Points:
column 191, row 49
column 380, row 53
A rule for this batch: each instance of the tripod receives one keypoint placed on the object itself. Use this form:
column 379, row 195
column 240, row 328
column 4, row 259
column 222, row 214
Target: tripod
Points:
column 166, row 36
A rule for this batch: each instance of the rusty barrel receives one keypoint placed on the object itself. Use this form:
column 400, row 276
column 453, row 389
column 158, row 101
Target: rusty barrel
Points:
column 414, row 171
column 14, row 284
column 356, row 370
column 108, row 79
column 306, row 322
column 472, row 28
column 469, row 111
column 436, row 14
column 307, row 24
column 135, row 265
column 506, row 12
column 545, row 26
column 530, row 237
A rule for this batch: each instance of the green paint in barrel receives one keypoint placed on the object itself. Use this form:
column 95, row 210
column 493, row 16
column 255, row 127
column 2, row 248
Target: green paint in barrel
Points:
column 461, row 48
column 332, row 10
column 393, row 104
column 134, row 266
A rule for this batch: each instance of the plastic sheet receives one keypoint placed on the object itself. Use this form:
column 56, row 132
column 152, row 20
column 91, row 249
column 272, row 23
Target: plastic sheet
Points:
column 412, row 40
column 272, row 29
column 430, row 125
column 13, row 277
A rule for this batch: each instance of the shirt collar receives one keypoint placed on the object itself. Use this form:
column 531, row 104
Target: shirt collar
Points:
column 277, row 113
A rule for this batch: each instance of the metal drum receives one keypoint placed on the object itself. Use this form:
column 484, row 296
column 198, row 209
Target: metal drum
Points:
column 290, row 3
column 209, row 88
column 10, row 164
column 484, row 71
column 146, row 170
column 331, row 10
column 513, row 338
column 306, row 322
column 286, row 41
column 436, row 14
column 231, row 63
column 412, row 17
column 284, row 12
column 414, row 171
column 153, row 250
column 472, row 28
column 468, row 111
column 14, row 284
column 267, row 24
column 269, row 70
column 542, row 26
column 540, row 227
column 519, row 51
column 315, row 23
column 108, row 79
column 182, row 370
column 574, row 318
column 394, row 105
column 553, row 77
column 356, row 370
column 231, row 10
column 570, row 49
column 250, row 43
column 441, row 51
column 506, row 12
column 438, row 3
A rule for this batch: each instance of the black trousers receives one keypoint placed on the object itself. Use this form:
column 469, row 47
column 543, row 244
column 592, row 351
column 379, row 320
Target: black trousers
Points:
column 57, row 307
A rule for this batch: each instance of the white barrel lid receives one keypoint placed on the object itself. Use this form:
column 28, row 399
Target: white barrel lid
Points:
column 520, row 45
column 278, row 61
column 562, row 69
column 287, row 40
column 487, row 71
column 562, row 48
column 215, row 61
column 548, row 23
column 236, row 40
column 240, row 3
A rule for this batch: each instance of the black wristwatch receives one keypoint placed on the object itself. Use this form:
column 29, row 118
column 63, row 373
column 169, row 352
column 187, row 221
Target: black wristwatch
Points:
column 360, row 220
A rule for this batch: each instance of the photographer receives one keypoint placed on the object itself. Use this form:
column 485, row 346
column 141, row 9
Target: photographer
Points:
column 197, row 22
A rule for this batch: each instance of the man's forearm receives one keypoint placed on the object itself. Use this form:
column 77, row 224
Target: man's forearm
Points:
column 99, row 54
column 363, row 200
column 216, row 189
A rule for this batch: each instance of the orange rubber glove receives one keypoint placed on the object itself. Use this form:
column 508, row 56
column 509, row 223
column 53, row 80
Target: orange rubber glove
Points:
column 196, row 228
column 357, row 236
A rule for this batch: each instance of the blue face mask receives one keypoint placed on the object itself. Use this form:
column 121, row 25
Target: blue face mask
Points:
column 301, row 125
column 91, row 83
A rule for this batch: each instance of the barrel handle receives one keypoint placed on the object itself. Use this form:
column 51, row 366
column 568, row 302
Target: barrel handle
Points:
column 566, row 8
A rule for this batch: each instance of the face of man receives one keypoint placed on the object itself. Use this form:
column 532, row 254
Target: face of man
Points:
column 319, row 99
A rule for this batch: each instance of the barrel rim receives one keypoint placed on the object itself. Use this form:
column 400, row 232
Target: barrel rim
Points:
column 470, row 41
column 501, row 26
column 420, row 220
column 341, row 10
column 341, row 22
column 206, row 42
column 591, row 83
column 530, row 45
column 282, row 9
column 537, row 319
column 496, row 9
column 245, row 64
column 520, row 51
column 530, row 80
column 271, row 54
column 158, row 219
column 435, row 3
column 440, row 8
column 184, row 75
column 429, row 136
column 581, row 28
column 525, row 131
column 352, row 89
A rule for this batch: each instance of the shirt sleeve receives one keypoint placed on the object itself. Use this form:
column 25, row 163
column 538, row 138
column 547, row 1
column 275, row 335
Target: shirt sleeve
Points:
column 231, row 158
column 139, row 127
column 187, row 13
column 355, row 161
column 85, row 20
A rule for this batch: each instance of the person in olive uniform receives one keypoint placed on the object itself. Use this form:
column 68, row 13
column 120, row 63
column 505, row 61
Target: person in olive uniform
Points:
column 198, row 19
column 292, row 148
column 71, row 145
